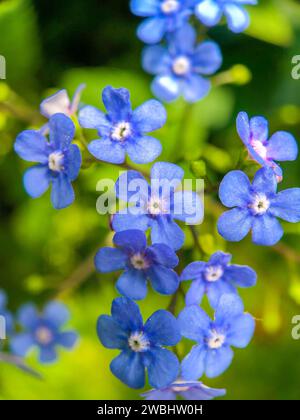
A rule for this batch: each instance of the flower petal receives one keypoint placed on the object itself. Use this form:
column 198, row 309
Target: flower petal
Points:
column 193, row 323
column 57, row 313
column 193, row 271
column 128, row 367
column 266, row 230
column 217, row 361
column 155, row 59
column 195, row 293
column 237, row 17
column 202, row 392
column 127, row 314
column 47, row 355
column 282, row 146
column 150, row 116
column 286, row 205
column 165, row 230
column 235, row 189
column 187, row 207
column 165, row 171
column 241, row 331
column 243, row 127
column 73, row 162
column 110, row 333
column 36, row 180
column 59, row 102
column 220, row 258
column 216, row 290
column 107, row 150
column 132, row 241
column 183, row 40
column 259, row 129
column 159, row 394
column 91, row 117
column 234, row 224
column 131, row 183
column 162, row 254
column 166, row 87
column 20, row 344
column 163, row 367
column 162, row 328
column 240, row 275
column 132, row 284
column 32, row 146
column 67, row 339
column 209, row 12
column 117, row 103
column 62, row 130
column 230, row 306
column 143, row 149
column 125, row 221
column 108, row 260
column 207, row 58
column 28, row 316
column 195, row 88
column 144, row 8
column 193, row 365
column 265, row 181
column 151, row 30
column 164, row 280
column 62, row 193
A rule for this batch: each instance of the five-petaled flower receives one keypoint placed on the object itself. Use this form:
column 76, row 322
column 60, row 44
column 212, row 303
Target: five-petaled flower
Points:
column 163, row 17
column 216, row 277
column 256, row 207
column 210, row 12
column 281, row 147
column 58, row 160
column 140, row 345
column 60, row 102
column 43, row 330
column 212, row 354
column 179, row 68
column 139, row 263
column 123, row 130
column 188, row 390
column 157, row 206
column 5, row 313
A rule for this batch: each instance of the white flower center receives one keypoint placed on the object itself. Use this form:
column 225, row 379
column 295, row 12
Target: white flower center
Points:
column 121, row 131
column 44, row 335
column 169, row 6
column 181, row 66
column 139, row 262
column 213, row 273
column 216, row 340
column 260, row 204
column 156, row 206
column 138, row 342
column 259, row 148
column 55, row 161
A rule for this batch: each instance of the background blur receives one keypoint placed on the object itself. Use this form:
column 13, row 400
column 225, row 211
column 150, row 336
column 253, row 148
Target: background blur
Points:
column 46, row 253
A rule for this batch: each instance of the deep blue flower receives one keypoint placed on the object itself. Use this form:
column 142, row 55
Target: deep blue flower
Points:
column 188, row 390
column 157, row 206
column 212, row 354
column 44, row 331
column 60, row 102
column 216, row 277
column 163, row 17
column 139, row 263
column 210, row 12
column 180, row 67
column 140, row 345
column 123, row 130
column 9, row 322
column 282, row 146
column 58, row 160
column 256, row 207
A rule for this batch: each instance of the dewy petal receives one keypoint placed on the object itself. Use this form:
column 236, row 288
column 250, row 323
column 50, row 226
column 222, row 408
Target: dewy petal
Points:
column 237, row 17
column 195, row 88
column 127, row 314
column 195, row 293
column 209, row 12
column 151, row 30
column 149, row 117
column 132, row 240
column 234, row 224
column 265, row 181
column 128, row 367
column 266, row 230
column 282, row 146
column 286, row 205
column 107, row 150
column 241, row 331
column 143, row 149
column 240, row 275
column 259, row 128
column 57, row 313
column 155, row 59
column 164, row 280
column 166, row 87
column 117, row 103
column 193, row 271
column 36, row 180
column 28, row 316
column 91, row 117
column 110, row 259
column 67, row 339
column 73, row 164
column 47, row 355
column 207, row 58
column 187, row 207
column 144, row 8
column 62, row 131
column 132, row 284
column 59, row 102
column 217, row 361
column 162, row 254
column 32, row 146
column 62, row 193
column 163, row 367
column 165, row 230
column 193, row 365
column 235, row 189
column 110, row 333
column 193, row 323
column 243, row 127
column 162, row 328
column 20, row 344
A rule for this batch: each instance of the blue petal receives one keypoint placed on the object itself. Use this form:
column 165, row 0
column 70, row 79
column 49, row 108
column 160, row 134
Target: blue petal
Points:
column 128, row 367
column 193, row 323
column 220, row 258
column 131, row 183
column 209, row 12
column 62, row 131
column 62, row 193
column 73, row 162
column 188, row 207
column 143, row 149
column 243, row 127
column 265, row 181
column 195, row 88
column 183, row 40
column 47, row 355
column 28, row 316
column 193, row 271
column 121, row 222
column 165, row 230
column 162, row 171
column 241, row 331
column 235, row 189
column 162, row 254
column 59, row 102
column 91, row 117
column 3, row 299
column 155, row 59
column 259, row 128
column 127, row 314
column 240, row 275
column 195, row 293
column 266, row 230
column 107, row 150
column 282, row 146
column 199, row 391
column 21, row 344
column 162, row 328
column 151, row 30
column 57, row 313
column 30, row 145
column 216, row 290
column 237, row 17
column 110, row 333
column 163, row 368
column 207, row 58
column 193, row 365
column 149, row 117
column 286, row 205
column 36, row 180
column 110, row 259
column 163, row 279
column 234, row 224
column 117, row 103
column 67, row 339
column 229, row 306
column 132, row 240
column 159, row 394
column 144, row 8
column 217, row 361
column 166, row 88
column 132, row 284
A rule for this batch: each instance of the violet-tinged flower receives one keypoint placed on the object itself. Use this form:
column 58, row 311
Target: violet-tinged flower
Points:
column 123, row 130
column 215, row 277
column 157, row 206
column 179, row 69
column 162, row 17
column 60, row 102
column 256, row 207
column 140, row 345
column 139, row 263
column 7, row 322
column 188, row 390
column 43, row 331
column 281, row 147
column 58, row 160
column 210, row 12
column 212, row 354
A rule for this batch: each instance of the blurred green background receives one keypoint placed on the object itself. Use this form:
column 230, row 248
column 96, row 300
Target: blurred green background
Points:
column 47, row 253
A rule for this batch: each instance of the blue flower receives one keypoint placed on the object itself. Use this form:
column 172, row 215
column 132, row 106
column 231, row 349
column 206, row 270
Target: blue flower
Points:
column 210, row 12
column 188, row 390
column 58, row 160
column 123, row 130
column 157, row 206
column 215, row 278
column 256, row 207
column 140, row 345
column 163, row 17
column 4, row 312
column 212, row 354
column 60, row 102
column 179, row 68
column 43, row 330
column 254, row 133
column 139, row 263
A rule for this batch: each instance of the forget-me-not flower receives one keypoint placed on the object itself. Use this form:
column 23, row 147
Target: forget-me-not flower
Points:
column 216, row 277
column 60, row 102
column 58, row 160
column 123, row 130
column 212, row 354
column 256, row 207
column 139, row 263
column 140, row 345
column 179, row 69
column 43, row 331
column 5, row 313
